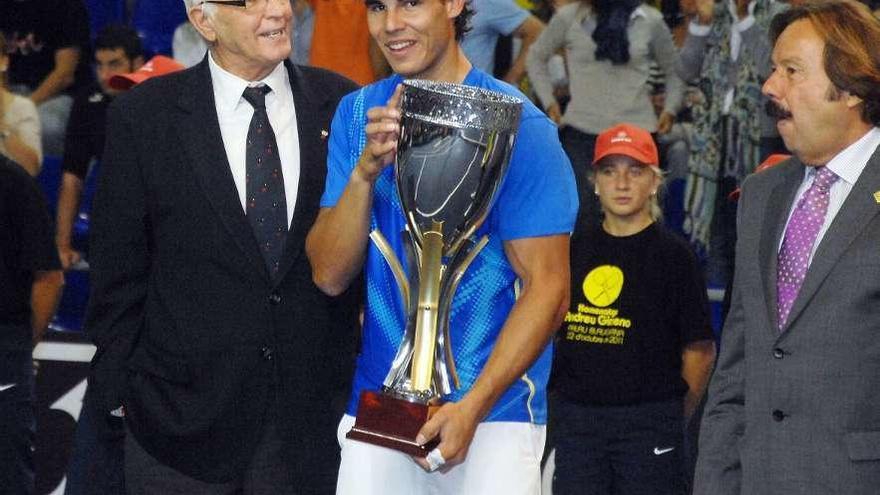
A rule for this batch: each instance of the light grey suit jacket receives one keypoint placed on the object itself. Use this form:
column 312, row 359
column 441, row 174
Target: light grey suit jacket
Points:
column 798, row 411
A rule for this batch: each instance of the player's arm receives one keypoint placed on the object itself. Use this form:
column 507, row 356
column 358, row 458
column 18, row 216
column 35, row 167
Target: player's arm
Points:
column 542, row 265
column 337, row 243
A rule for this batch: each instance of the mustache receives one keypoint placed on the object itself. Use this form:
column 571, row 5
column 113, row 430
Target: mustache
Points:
column 775, row 111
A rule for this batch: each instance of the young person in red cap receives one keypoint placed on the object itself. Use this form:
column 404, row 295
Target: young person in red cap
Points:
column 635, row 350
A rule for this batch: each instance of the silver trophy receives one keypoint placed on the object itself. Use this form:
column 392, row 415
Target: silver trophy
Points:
column 454, row 147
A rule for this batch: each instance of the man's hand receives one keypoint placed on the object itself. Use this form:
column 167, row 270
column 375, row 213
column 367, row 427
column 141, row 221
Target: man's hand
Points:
column 555, row 113
column 383, row 131
column 664, row 123
column 68, row 256
column 455, row 424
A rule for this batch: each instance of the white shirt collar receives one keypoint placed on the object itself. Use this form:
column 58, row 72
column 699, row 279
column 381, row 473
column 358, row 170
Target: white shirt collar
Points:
column 849, row 163
column 228, row 87
column 638, row 12
column 747, row 21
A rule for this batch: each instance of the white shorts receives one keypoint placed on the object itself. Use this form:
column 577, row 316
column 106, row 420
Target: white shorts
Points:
column 504, row 457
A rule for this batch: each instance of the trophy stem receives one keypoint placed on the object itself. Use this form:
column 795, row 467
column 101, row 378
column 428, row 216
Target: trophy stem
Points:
column 430, row 273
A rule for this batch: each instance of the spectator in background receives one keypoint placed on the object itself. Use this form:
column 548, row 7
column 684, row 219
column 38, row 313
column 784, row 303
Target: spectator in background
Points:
column 96, row 462
column 728, row 51
column 46, row 40
column 610, row 46
column 19, row 122
column 494, row 18
column 117, row 50
column 636, row 349
column 187, row 46
column 30, row 287
column 341, row 41
column 303, row 29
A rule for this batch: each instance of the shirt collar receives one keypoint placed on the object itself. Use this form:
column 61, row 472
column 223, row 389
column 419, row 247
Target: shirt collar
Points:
column 228, row 87
column 747, row 21
column 638, row 12
column 849, row 163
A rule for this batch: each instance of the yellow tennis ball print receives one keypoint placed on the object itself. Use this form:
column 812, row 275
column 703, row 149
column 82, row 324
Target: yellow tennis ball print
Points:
column 603, row 284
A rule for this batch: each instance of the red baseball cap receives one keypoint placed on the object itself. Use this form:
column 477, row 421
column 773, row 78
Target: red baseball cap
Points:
column 770, row 161
column 629, row 140
column 157, row 66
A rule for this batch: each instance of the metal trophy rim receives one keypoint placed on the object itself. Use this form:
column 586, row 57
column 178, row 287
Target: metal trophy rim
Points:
column 503, row 102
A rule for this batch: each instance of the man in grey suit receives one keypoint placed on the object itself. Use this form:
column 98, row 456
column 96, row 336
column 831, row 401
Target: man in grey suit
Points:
column 794, row 405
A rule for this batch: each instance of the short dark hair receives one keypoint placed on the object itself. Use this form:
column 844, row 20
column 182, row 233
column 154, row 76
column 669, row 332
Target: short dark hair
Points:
column 114, row 36
column 463, row 20
column 851, row 59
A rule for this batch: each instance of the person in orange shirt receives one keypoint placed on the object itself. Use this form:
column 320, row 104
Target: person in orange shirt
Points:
column 342, row 43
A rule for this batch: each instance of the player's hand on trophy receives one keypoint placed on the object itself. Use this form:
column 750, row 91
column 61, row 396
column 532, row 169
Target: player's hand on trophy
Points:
column 455, row 424
column 383, row 131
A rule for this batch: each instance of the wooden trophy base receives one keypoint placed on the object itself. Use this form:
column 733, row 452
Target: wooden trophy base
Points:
column 391, row 422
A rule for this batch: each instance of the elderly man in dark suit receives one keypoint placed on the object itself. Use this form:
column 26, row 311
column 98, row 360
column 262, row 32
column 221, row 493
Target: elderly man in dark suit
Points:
column 212, row 337
column 794, row 405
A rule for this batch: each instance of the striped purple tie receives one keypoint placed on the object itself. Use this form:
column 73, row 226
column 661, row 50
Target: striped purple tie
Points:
column 800, row 236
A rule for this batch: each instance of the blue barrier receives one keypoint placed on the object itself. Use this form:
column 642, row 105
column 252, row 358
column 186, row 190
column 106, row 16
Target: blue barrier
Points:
column 71, row 308
column 155, row 21
column 103, row 12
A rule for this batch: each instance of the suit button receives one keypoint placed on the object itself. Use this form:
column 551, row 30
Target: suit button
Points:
column 275, row 298
column 778, row 415
column 267, row 353
column 778, row 353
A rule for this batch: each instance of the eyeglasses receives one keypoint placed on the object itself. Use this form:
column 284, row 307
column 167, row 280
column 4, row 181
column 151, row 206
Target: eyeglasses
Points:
column 247, row 4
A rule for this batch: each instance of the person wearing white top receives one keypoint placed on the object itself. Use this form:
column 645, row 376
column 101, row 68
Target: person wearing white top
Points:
column 19, row 123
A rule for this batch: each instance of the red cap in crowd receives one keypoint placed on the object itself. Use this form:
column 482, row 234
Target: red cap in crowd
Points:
column 629, row 140
column 770, row 161
column 157, row 66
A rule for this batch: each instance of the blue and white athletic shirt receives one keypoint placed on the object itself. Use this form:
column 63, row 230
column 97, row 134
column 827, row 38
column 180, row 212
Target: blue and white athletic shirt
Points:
column 537, row 198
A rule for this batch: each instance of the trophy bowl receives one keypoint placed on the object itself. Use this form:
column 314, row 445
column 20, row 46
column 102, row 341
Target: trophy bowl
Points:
column 454, row 148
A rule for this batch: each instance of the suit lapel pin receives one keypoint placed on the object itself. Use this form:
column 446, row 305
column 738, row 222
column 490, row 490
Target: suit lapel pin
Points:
column 877, row 197
column 324, row 135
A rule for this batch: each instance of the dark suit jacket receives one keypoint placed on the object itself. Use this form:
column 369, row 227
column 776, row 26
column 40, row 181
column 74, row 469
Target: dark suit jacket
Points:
column 192, row 335
column 798, row 411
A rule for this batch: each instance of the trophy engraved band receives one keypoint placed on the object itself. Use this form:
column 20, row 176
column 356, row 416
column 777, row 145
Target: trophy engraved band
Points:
column 454, row 147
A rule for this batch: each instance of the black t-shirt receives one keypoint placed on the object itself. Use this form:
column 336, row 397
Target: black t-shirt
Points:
column 26, row 246
column 86, row 129
column 35, row 29
column 636, row 301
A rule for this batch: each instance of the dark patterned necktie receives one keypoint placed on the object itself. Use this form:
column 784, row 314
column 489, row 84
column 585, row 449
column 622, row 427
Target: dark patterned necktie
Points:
column 266, row 204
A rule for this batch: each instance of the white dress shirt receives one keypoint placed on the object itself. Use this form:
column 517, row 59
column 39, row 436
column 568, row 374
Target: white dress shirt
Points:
column 234, row 114
column 848, row 165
